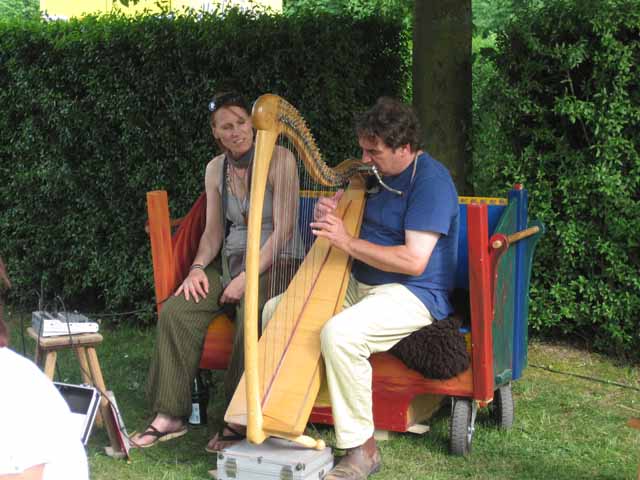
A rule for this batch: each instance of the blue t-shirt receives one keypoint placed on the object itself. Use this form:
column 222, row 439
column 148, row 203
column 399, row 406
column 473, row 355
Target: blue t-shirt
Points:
column 429, row 204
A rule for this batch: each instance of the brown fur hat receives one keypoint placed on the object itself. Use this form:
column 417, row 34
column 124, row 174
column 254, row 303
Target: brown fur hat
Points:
column 436, row 351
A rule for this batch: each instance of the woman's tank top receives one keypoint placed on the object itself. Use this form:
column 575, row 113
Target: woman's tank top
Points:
column 235, row 243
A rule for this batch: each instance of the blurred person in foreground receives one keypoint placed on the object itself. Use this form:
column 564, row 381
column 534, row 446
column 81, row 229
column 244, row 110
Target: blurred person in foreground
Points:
column 35, row 439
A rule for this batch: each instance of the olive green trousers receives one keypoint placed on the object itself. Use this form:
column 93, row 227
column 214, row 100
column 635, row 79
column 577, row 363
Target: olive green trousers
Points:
column 182, row 327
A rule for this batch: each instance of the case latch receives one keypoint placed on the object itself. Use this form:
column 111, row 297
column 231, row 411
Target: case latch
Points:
column 231, row 467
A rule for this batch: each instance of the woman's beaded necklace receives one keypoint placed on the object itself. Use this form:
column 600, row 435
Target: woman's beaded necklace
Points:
column 234, row 189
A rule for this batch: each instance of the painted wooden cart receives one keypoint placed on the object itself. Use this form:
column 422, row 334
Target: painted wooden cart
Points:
column 496, row 248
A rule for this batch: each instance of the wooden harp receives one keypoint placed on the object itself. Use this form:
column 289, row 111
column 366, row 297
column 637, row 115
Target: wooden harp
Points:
column 283, row 371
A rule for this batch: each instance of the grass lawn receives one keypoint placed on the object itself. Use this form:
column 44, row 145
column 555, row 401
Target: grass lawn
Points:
column 566, row 427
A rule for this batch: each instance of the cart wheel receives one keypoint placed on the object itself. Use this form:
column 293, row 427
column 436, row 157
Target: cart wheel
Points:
column 462, row 426
column 502, row 407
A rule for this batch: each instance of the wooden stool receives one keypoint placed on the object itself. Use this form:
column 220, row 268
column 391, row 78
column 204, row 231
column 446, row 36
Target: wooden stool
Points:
column 84, row 345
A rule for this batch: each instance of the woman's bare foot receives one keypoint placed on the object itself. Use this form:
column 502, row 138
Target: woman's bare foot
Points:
column 162, row 428
column 230, row 434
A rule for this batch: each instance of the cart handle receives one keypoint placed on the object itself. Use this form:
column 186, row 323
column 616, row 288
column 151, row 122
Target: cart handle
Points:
column 516, row 237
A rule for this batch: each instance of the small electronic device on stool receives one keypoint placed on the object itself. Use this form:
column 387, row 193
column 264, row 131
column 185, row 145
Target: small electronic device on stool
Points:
column 61, row 323
column 274, row 459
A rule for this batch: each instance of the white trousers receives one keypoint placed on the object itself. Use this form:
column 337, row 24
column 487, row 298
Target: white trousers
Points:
column 374, row 319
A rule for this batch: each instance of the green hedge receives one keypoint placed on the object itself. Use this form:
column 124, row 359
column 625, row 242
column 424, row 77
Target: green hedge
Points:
column 558, row 108
column 96, row 112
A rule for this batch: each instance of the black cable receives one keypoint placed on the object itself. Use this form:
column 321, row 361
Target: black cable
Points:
column 24, row 345
column 585, row 377
column 66, row 317
column 121, row 314
column 22, row 329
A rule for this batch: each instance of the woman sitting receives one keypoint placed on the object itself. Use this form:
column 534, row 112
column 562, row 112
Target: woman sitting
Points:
column 217, row 277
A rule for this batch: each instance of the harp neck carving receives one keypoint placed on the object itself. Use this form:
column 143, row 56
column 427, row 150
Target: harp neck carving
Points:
column 274, row 114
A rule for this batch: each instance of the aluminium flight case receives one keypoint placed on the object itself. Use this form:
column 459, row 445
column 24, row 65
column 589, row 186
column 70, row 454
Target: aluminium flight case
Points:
column 275, row 459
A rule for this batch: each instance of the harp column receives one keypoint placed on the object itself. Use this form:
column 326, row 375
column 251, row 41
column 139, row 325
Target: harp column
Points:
column 265, row 143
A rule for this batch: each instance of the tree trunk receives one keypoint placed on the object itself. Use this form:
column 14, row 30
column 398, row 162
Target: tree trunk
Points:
column 442, row 81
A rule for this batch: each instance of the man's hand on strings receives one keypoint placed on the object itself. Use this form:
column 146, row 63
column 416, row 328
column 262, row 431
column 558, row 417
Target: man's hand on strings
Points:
column 235, row 290
column 327, row 205
column 195, row 286
column 332, row 228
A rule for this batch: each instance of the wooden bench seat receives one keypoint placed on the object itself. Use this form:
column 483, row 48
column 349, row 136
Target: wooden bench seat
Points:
column 403, row 397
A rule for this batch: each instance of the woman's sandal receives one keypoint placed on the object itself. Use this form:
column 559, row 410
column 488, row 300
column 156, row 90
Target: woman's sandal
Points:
column 225, row 440
column 159, row 436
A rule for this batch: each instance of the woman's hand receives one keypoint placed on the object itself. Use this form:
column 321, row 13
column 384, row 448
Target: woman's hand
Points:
column 235, row 290
column 196, row 285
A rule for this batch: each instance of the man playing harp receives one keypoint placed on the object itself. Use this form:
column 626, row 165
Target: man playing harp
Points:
column 403, row 271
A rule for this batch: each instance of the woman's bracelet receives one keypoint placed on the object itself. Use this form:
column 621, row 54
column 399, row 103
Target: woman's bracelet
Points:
column 196, row 266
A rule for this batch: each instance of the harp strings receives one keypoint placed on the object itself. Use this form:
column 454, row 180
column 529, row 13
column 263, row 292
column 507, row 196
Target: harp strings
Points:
column 301, row 193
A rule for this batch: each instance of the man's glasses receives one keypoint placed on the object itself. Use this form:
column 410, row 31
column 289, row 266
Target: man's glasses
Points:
column 226, row 99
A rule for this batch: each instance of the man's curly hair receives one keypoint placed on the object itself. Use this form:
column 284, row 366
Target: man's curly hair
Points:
column 392, row 121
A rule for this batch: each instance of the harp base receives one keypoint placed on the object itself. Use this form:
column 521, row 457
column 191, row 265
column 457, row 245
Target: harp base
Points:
column 302, row 440
column 259, row 437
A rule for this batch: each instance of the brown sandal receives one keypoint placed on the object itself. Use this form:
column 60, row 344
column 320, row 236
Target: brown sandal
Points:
column 159, row 436
column 227, row 440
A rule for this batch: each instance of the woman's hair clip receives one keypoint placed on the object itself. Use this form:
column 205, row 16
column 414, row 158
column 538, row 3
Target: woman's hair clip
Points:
column 230, row 98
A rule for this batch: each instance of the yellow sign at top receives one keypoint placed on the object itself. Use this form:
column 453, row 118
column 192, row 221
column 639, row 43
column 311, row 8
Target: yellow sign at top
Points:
column 65, row 9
